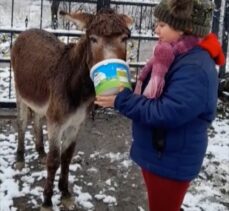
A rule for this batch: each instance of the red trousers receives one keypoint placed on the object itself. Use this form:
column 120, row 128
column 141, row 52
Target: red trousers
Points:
column 164, row 194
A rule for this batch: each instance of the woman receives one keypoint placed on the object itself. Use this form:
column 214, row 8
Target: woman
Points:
column 170, row 127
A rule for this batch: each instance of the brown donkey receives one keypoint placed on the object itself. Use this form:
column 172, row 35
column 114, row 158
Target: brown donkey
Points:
column 52, row 79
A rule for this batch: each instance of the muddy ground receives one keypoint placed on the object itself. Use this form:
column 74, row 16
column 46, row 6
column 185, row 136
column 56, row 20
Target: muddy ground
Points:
column 103, row 144
column 102, row 176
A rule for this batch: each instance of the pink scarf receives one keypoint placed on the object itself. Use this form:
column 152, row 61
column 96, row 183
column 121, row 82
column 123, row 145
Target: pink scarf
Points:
column 158, row 65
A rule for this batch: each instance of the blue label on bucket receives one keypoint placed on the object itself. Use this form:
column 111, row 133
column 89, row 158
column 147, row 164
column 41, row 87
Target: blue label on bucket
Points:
column 109, row 71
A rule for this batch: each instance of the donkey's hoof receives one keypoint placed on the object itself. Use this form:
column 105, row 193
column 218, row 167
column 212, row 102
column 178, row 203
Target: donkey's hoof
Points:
column 20, row 165
column 68, row 203
column 46, row 208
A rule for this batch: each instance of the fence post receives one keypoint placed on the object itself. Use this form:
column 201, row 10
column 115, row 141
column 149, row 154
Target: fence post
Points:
column 103, row 4
column 225, row 36
column 12, row 14
column 41, row 18
column 216, row 17
column 11, row 43
column 54, row 13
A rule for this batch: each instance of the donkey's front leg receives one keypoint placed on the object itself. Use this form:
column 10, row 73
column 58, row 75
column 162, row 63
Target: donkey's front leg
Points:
column 52, row 163
column 66, row 157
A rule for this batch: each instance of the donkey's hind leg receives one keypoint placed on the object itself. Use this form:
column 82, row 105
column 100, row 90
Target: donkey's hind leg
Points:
column 22, row 121
column 67, row 200
column 38, row 133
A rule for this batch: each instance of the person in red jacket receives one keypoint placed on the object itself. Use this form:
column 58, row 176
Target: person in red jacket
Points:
column 174, row 101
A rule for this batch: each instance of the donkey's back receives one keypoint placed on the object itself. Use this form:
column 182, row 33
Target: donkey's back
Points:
column 35, row 55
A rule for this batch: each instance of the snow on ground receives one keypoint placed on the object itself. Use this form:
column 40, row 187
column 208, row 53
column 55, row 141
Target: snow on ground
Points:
column 7, row 91
column 11, row 188
column 213, row 181
column 209, row 192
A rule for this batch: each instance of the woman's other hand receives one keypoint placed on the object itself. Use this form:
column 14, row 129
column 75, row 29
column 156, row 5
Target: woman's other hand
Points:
column 107, row 101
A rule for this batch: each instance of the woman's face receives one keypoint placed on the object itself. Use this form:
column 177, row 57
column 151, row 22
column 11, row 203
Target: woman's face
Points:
column 167, row 33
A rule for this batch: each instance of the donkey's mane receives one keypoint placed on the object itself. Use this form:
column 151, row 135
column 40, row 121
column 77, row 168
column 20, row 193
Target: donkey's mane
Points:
column 106, row 23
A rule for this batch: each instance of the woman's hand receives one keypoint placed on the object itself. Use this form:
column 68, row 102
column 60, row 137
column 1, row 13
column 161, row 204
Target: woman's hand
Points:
column 105, row 101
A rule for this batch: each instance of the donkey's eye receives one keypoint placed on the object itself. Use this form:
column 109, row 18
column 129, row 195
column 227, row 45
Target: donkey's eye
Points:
column 93, row 39
column 124, row 38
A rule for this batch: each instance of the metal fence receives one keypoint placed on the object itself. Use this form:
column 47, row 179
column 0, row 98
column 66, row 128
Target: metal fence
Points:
column 46, row 17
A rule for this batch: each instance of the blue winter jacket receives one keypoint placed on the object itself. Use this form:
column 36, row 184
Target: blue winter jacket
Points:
column 183, row 112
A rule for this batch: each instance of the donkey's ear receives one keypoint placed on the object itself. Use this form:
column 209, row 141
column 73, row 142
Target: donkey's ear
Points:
column 81, row 19
column 128, row 20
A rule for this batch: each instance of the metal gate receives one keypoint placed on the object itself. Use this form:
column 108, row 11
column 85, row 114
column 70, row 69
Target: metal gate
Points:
column 46, row 17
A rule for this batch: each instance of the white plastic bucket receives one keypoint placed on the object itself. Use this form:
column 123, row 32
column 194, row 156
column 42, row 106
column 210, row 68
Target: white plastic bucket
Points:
column 108, row 75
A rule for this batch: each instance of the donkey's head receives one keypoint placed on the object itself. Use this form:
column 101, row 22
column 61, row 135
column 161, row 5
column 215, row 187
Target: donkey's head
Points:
column 106, row 33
